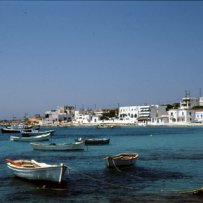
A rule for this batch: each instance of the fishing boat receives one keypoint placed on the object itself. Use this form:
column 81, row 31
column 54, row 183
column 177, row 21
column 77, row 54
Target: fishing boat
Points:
column 36, row 132
column 76, row 146
column 43, row 137
column 9, row 130
column 94, row 141
column 102, row 126
column 119, row 160
column 33, row 170
column 16, row 128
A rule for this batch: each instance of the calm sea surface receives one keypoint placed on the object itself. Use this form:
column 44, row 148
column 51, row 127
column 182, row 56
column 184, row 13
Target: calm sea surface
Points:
column 170, row 162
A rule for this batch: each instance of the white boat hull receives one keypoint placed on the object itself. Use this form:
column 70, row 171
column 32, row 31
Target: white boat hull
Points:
column 44, row 137
column 36, row 132
column 59, row 147
column 54, row 173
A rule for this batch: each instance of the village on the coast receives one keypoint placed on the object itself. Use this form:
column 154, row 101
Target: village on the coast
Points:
column 189, row 111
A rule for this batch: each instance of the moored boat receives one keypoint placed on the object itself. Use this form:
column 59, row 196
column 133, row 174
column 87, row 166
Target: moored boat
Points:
column 94, row 141
column 119, row 160
column 43, row 137
column 105, row 126
column 33, row 170
column 9, row 130
column 16, row 128
column 102, row 126
column 36, row 132
column 77, row 146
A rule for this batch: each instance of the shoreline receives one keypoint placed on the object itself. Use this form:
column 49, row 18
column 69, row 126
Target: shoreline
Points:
column 110, row 125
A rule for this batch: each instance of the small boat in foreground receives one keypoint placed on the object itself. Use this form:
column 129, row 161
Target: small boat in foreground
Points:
column 43, row 137
column 94, row 141
column 33, row 170
column 77, row 146
column 119, row 160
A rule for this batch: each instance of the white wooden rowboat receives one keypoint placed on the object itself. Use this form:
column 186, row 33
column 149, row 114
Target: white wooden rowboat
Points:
column 123, row 159
column 59, row 147
column 33, row 170
column 36, row 138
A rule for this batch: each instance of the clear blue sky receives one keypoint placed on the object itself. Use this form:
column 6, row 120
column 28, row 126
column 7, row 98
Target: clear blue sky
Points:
column 92, row 52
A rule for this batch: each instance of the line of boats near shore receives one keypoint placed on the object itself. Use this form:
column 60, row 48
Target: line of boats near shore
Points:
column 33, row 170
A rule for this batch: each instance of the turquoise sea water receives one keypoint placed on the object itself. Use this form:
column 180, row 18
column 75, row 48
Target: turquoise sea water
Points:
column 170, row 162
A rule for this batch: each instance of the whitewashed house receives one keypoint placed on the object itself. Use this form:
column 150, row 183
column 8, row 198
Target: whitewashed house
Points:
column 128, row 113
column 201, row 101
column 199, row 115
column 143, row 114
column 199, row 111
column 61, row 114
column 159, row 115
column 94, row 119
column 82, row 118
column 185, row 114
column 181, row 116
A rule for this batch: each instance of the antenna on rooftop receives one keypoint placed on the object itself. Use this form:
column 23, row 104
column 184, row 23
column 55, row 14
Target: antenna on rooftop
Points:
column 187, row 93
column 200, row 92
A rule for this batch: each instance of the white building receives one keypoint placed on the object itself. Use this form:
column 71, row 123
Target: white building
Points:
column 128, row 113
column 61, row 114
column 201, row 101
column 143, row 114
column 94, row 119
column 185, row 114
column 159, row 115
column 188, row 102
column 199, row 116
column 82, row 118
column 182, row 116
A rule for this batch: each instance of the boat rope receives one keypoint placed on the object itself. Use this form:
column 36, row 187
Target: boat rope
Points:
column 101, row 181
column 87, row 147
column 44, row 187
column 115, row 166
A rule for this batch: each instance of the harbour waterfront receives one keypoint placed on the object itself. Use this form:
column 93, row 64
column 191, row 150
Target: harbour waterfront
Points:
column 169, row 164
